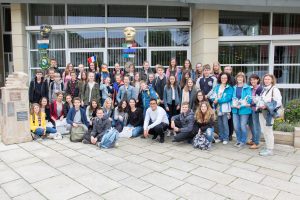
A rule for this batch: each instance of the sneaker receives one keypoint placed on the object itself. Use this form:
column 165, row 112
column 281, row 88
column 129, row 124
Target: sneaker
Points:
column 58, row 136
column 161, row 140
column 217, row 140
column 230, row 137
column 237, row 144
column 98, row 144
column 240, row 145
column 154, row 137
column 254, row 146
column 250, row 143
column 266, row 152
column 225, row 142
column 168, row 133
column 84, row 141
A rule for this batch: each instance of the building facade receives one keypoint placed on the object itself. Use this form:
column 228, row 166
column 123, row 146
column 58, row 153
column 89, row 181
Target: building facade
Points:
column 251, row 36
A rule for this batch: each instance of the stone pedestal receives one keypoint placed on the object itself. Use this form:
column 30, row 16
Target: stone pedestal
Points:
column 15, row 110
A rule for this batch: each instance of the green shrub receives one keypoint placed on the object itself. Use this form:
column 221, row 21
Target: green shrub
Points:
column 281, row 125
column 292, row 111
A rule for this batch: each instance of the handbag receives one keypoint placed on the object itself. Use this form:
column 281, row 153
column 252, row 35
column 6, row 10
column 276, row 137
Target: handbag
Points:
column 275, row 111
column 126, row 132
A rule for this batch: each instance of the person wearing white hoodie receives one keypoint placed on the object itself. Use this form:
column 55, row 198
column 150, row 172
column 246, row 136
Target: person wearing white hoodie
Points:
column 269, row 93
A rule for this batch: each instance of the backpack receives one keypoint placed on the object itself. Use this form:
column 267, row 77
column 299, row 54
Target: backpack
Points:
column 201, row 142
column 109, row 138
column 77, row 134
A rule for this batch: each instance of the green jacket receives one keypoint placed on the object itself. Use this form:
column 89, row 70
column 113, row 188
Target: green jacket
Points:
column 94, row 95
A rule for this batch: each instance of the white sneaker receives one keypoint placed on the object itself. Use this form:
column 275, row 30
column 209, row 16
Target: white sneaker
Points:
column 217, row 140
column 51, row 135
column 168, row 133
column 57, row 136
column 225, row 142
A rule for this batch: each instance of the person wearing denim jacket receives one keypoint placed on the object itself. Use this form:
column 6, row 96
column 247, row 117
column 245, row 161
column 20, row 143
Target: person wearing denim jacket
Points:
column 241, row 110
column 222, row 97
column 253, row 121
column 126, row 91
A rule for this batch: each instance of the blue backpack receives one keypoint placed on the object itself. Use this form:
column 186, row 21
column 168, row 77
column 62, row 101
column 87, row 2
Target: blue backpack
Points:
column 109, row 138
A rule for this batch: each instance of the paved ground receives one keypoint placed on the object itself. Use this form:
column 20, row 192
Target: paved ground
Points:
column 143, row 169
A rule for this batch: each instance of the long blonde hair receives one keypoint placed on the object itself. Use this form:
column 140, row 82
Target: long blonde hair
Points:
column 105, row 103
column 204, row 117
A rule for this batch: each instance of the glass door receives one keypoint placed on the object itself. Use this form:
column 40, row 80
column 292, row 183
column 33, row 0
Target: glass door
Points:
column 286, row 68
column 77, row 57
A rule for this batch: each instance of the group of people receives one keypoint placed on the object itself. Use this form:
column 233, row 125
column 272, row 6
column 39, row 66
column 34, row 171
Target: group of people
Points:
column 179, row 101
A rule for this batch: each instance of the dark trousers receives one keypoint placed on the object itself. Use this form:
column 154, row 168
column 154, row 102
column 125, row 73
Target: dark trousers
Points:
column 172, row 110
column 87, row 137
column 230, row 125
column 181, row 136
column 159, row 130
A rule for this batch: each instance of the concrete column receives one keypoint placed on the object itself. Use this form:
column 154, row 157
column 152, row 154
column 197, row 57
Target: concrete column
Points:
column 205, row 36
column 19, row 39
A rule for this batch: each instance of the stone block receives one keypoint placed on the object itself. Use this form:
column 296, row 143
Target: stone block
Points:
column 157, row 193
column 162, row 181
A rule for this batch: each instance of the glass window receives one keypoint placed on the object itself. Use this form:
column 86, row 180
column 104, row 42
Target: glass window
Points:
column 117, row 55
column 287, row 54
column 168, row 13
column 126, row 13
column 289, row 94
column 7, row 42
column 164, row 57
column 233, row 23
column 86, row 14
column 243, row 54
column 287, row 74
column 86, row 39
column 169, row 37
column 7, row 19
column 56, row 40
column 249, row 70
column 59, row 55
column 286, row 24
column 77, row 58
column 46, row 14
column 116, row 38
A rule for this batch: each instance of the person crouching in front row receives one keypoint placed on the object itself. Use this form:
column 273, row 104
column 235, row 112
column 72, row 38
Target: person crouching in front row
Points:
column 156, row 121
column 100, row 125
column 183, row 123
column 76, row 116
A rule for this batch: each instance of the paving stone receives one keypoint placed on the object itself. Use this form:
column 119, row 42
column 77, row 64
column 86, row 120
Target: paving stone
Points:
column 75, row 170
column 45, row 153
column 230, row 192
column 282, row 185
column 133, row 169
column 36, row 172
column 270, row 164
column 254, row 188
column 135, row 184
column 213, row 175
column 118, row 152
column 246, row 166
column 135, row 158
column 201, row 154
column 231, row 154
column 3, row 195
column 287, row 196
column 180, row 155
column 155, row 156
column 116, row 175
column 58, row 147
column 58, row 161
column 297, row 171
column 17, row 187
column 274, row 173
column 124, row 193
column 31, row 146
column 59, row 188
column 92, row 151
column 157, row 193
column 98, row 183
column 157, row 149
column 6, row 175
column 245, row 174
column 110, row 159
column 200, row 182
column 27, row 161
column 87, row 196
column 221, row 159
column 4, row 147
column 83, row 159
column 14, row 155
column 192, row 192
column 98, row 166
column 33, row 195
column 296, row 179
column 154, row 166
column 175, row 173
column 133, row 149
column 256, row 198
column 181, row 165
column 69, row 153
column 210, row 164
column 163, row 181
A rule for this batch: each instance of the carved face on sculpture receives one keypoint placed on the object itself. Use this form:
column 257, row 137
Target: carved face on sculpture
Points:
column 129, row 33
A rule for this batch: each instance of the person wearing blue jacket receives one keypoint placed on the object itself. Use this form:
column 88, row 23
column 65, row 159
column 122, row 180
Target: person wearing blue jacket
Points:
column 241, row 108
column 221, row 98
column 187, row 68
column 126, row 91
column 76, row 116
column 146, row 94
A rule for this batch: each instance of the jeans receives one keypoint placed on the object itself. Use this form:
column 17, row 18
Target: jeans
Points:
column 138, row 130
column 223, row 127
column 209, row 134
column 240, row 127
column 40, row 131
column 255, row 127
